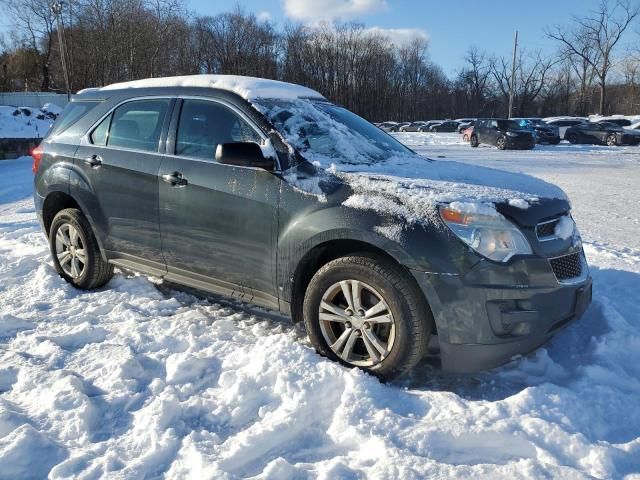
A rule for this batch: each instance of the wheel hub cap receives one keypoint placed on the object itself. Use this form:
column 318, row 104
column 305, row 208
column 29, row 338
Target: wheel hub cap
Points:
column 357, row 323
column 70, row 250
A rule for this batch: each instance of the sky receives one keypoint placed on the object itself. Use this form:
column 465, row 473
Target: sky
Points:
column 450, row 26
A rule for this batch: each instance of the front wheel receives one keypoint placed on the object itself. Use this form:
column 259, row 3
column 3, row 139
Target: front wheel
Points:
column 474, row 141
column 612, row 141
column 363, row 311
column 501, row 143
column 75, row 251
column 573, row 138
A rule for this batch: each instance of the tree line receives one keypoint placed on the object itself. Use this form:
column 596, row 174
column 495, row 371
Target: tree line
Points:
column 108, row 41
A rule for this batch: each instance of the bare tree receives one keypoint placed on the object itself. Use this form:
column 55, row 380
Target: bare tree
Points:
column 600, row 33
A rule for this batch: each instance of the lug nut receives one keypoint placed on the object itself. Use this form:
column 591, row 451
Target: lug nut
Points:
column 366, row 325
column 349, row 312
column 361, row 313
column 347, row 324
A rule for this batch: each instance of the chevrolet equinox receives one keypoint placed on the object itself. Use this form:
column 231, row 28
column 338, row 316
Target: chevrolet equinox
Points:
column 267, row 192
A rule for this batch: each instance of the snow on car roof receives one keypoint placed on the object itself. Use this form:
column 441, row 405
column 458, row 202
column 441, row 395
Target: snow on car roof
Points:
column 247, row 87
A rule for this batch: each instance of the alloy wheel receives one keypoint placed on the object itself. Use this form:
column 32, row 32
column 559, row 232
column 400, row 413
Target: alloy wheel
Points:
column 357, row 323
column 70, row 250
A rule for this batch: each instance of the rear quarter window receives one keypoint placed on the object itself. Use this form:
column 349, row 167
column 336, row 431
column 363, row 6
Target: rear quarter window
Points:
column 73, row 112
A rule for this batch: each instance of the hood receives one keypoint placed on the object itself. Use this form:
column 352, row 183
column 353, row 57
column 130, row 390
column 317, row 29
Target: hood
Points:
column 414, row 189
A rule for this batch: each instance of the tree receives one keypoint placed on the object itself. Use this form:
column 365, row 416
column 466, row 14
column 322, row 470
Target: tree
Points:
column 594, row 39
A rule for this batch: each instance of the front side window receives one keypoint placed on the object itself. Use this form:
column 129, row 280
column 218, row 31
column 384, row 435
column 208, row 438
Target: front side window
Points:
column 203, row 125
column 138, row 124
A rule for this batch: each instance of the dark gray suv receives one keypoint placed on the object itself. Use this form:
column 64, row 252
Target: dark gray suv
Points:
column 266, row 192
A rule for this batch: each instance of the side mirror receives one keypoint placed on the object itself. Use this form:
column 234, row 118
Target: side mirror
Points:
column 243, row 154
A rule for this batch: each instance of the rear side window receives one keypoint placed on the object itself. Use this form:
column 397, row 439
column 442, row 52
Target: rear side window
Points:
column 203, row 125
column 136, row 125
column 70, row 115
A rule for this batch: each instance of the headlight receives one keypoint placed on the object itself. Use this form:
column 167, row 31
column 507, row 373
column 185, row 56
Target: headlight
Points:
column 485, row 230
column 512, row 134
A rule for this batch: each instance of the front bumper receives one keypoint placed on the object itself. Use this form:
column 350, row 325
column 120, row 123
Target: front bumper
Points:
column 495, row 312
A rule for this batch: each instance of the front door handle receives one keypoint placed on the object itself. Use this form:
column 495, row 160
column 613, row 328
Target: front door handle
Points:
column 93, row 161
column 175, row 179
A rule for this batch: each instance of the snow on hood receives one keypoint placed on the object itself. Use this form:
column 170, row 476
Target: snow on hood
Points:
column 247, row 87
column 384, row 174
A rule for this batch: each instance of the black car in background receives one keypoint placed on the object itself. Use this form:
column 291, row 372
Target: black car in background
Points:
column 546, row 134
column 448, row 126
column 601, row 133
column 502, row 133
column 565, row 123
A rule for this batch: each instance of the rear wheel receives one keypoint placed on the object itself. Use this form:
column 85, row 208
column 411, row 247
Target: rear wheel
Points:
column 572, row 137
column 363, row 311
column 612, row 141
column 501, row 143
column 474, row 141
column 75, row 251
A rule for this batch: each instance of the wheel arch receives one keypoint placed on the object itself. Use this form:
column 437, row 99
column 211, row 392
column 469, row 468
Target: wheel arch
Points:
column 56, row 201
column 323, row 253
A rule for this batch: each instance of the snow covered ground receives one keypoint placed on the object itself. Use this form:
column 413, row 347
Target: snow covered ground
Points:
column 141, row 380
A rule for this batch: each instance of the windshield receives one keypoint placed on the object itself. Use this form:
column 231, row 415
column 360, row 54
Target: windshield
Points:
column 508, row 125
column 326, row 134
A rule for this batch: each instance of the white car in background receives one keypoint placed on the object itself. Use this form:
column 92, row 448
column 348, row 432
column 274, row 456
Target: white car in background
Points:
column 563, row 123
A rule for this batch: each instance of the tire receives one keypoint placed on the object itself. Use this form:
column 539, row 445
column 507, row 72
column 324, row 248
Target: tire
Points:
column 572, row 137
column 70, row 234
column 401, row 342
column 501, row 143
column 474, row 141
column 612, row 141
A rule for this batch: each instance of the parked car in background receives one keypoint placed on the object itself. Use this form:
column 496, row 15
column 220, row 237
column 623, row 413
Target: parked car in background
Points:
column 466, row 133
column 429, row 125
column 601, row 133
column 448, row 126
column 225, row 185
column 545, row 134
column 412, row 127
column 621, row 122
column 563, row 123
column 388, row 126
column 502, row 133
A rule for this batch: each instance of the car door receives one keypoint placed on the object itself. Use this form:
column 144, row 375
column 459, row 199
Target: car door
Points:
column 120, row 159
column 218, row 222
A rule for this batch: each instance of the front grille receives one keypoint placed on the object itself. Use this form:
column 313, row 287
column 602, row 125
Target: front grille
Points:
column 567, row 267
column 547, row 229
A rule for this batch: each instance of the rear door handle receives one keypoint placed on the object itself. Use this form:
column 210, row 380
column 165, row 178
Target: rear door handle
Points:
column 175, row 179
column 93, row 161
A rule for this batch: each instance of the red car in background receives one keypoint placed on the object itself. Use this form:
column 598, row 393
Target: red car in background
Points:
column 466, row 134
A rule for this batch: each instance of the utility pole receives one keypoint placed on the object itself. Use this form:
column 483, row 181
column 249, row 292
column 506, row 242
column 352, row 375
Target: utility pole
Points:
column 513, row 74
column 56, row 9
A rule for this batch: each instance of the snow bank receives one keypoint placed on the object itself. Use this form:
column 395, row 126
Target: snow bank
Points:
column 25, row 122
column 247, row 87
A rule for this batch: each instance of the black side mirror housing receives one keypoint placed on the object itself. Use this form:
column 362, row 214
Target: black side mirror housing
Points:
column 243, row 154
